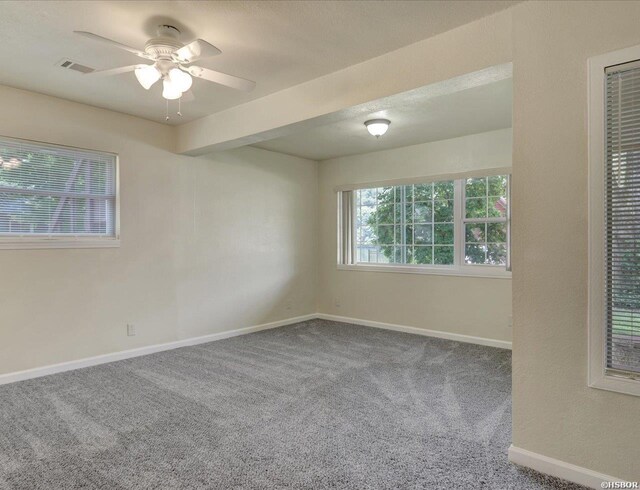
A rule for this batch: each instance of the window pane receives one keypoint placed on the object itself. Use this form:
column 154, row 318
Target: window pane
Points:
column 443, row 189
column 476, row 207
column 475, row 232
column 443, row 211
column 423, row 255
column 402, row 223
column 367, row 197
column 422, row 192
column 408, row 212
column 443, row 255
column 384, row 213
column 397, row 215
column 497, row 253
column 497, row 186
column 423, row 234
column 497, row 206
column 384, row 209
column 52, row 190
column 622, row 223
column 443, row 234
column 422, row 212
column 496, row 232
column 475, row 254
column 373, row 254
column 485, row 239
column 364, row 215
column 476, row 187
column 365, row 235
column 398, row 239
column 408, row 189
column 385, row 234
column 408, row 238
column 392, row 255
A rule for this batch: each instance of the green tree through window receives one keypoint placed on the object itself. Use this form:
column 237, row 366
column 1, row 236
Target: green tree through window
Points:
column 410, row 224
column 417, row 224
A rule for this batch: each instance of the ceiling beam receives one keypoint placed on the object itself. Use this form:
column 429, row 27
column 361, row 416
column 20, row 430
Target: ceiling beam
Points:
column 462, row 54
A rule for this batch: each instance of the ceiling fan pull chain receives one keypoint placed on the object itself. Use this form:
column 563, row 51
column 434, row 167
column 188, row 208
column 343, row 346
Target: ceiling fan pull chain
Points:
column 167, row 113
column 180, row 106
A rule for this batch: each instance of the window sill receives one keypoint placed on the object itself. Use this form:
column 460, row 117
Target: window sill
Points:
column 619, row 384
column 464, row 271
column 44, row 243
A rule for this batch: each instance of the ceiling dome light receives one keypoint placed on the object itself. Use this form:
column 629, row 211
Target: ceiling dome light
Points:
column 181, row 80
column 147, row 75
column 170, row 91
column 377, row 127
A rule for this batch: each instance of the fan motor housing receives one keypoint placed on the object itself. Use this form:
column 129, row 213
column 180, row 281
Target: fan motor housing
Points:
column 163, row 46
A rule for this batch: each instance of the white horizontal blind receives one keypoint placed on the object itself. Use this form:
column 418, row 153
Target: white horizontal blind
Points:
column 622, row 220
column 48, row 190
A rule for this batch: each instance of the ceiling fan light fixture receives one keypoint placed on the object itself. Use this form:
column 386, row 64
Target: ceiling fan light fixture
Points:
column 181, row 80
column 377, row 127
column 172, row 61
column 147, row 75
column 170, row 91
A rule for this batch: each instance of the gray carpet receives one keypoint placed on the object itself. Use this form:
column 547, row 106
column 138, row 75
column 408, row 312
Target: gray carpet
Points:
column 313, row 405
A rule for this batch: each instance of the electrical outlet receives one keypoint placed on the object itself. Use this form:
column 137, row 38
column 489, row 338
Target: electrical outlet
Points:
column 510, row 321
column 131, row 330
column 337, row 302
column 288, row 305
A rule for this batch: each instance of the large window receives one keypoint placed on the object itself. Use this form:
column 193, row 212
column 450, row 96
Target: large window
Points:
column 407, row 224
column 440, row 225
column 614, row 333
column 51, row 195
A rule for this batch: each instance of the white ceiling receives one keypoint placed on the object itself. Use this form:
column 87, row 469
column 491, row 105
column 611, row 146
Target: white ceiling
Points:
column 278, row 44
column 415, row 118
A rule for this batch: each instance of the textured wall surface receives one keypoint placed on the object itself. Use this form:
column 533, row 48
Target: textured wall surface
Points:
column 555, row 413
column 465, row 305
column 208, row 244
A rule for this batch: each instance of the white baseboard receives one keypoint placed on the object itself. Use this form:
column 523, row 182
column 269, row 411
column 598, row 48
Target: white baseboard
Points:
column 522, row 457
column 503, row 344
column 142, row 351
column 559, row 469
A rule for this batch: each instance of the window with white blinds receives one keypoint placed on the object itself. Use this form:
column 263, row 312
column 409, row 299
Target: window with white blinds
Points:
column 622, row 219
column 49, row 192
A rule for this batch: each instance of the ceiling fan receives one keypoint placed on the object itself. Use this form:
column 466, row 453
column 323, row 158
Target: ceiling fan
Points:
column 171, row 62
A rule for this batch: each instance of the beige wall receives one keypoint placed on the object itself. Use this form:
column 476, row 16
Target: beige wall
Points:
column 417, row 300
column 208, row 244
column 554, row 412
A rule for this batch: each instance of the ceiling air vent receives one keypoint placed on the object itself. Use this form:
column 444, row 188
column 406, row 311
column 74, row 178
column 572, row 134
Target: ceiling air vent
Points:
column 72, row 65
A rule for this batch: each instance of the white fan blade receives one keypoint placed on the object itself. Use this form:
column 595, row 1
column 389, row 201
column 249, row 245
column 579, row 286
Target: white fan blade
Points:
column 196, row 50
column 111, row 42
column 113, row 71
column 221, row 78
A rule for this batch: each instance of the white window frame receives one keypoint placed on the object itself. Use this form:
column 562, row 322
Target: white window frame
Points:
column 464, row 221
column 27, row 241
column 459, row 268
column 597, row 377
